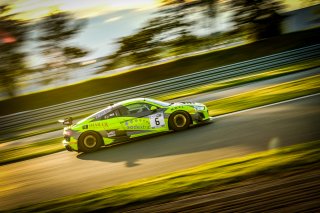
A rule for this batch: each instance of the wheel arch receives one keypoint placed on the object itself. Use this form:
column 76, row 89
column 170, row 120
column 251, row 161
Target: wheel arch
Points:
column 81, row 135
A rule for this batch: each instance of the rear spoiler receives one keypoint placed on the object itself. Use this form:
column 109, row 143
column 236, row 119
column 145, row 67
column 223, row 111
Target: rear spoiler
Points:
column 66, row 121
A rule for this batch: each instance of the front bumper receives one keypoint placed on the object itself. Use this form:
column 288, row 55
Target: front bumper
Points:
column 201, row 116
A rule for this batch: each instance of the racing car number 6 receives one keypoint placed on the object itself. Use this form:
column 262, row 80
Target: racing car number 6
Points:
column 157, row 120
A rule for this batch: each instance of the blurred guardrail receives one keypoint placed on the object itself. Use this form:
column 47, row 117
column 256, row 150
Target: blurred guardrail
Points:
column 83, row 106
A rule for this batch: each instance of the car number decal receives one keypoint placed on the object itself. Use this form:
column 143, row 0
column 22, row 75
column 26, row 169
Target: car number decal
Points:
column 157, row 120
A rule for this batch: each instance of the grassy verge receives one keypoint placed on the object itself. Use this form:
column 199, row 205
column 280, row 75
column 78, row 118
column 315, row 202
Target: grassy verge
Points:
column 268, row 74
column 29, row 151
column 267, row 95
column 263, row 96
column 159, row 72
column 214, row 175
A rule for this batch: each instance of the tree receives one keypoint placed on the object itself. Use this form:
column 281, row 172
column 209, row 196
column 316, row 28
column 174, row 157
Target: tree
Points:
column 55, row 31
column 145, row 45
column 260, row 18
column 133, row 49
column 207, row 7
column 308, row 3
column 13, row 34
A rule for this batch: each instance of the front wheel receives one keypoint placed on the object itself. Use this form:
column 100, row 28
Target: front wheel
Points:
column 89, row 142
column 179, row 121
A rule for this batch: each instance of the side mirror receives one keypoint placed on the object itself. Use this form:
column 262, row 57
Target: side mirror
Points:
column 153, row 108
column 67, row 123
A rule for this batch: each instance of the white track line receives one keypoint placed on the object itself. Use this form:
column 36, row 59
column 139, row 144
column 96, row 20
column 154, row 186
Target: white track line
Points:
column 264, row 106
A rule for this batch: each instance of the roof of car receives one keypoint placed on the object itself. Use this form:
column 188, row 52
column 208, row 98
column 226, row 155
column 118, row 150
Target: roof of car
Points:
column 130, row 100
column 133, row 99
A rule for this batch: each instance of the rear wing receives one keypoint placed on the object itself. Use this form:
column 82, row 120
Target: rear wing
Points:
column 66, row 121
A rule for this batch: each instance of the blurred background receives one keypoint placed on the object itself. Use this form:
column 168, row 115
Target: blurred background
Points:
column 47, row 44
column 61, row 58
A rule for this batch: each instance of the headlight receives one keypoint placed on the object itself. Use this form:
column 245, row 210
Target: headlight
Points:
column 199, row 108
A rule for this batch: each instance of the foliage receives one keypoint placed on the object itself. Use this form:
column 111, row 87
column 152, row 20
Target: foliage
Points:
column 170, row 30
column 149, row 41
column 55, row 32
column 307, row 3
column 13, row 34
column 205, row 10
column 260, row 18
column 74, row 52
column 209, row 6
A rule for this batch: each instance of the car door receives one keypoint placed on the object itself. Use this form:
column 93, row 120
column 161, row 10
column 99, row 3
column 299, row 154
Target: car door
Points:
column 139, row 119
column 109, row 124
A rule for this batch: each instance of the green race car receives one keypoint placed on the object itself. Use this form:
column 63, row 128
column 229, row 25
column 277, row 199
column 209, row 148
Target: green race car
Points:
column 130, row 119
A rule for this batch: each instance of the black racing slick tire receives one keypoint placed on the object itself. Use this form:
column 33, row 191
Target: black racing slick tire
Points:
column 179, row 121
column 89, row 141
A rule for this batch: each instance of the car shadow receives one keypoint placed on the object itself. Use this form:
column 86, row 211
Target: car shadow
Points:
column 195, row 139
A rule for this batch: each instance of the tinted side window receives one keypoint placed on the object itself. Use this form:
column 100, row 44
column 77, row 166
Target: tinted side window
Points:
column 111, row 114
column 108, row 115
column 135, row 110
column 124, row 111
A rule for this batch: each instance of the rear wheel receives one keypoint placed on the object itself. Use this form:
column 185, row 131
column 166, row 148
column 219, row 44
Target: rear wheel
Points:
column 90, row 142
column 179, row 121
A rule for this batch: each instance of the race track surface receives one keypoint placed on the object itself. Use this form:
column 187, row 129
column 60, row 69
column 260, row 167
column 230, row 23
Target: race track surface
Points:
column 66, row 173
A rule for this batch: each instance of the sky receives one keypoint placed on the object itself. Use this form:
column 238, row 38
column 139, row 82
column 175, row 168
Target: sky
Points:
column 107, row 20
column 82, row 8
column 89, row 8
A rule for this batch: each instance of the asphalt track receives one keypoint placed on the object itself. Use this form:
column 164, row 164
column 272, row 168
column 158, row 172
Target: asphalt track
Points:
column 237, row 134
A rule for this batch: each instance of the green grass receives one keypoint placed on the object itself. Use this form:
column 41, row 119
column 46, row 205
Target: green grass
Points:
column 29, row 151
column 268, row 74
column 259, row 97
column 159, row 72
column 266, row 95
column 213, row 175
